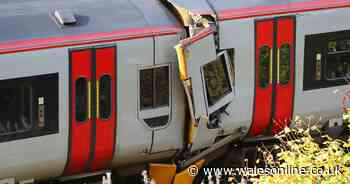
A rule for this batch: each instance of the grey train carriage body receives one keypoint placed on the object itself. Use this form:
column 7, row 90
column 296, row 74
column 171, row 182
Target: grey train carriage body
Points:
column 92, row 85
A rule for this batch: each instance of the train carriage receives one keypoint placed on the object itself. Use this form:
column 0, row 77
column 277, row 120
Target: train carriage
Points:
column 87, row 86
column 65, row 80
column 285, row 80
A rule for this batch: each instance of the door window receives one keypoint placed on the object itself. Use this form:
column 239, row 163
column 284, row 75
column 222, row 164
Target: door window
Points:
column 284, row 64
column 81, row 99
column 105, row 97
column 264, row 66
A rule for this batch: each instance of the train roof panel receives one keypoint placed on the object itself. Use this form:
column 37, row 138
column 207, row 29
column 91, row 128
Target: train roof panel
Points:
column 243, row 9
column 195, row 6
column 233, row 9
column 237, row 4
column 22, row 20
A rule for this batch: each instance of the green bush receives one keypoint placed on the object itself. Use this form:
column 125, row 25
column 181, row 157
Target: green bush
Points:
column 298, row 149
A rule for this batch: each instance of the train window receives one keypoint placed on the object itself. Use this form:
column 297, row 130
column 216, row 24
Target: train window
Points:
column 105, row 95
column 217, row 80
column 15, row 101
column 154, row 87
column 81, row 107
column 162, row 86
column 146, row 88
column 318, row 65
column 338, row 59
column 284, row 64
column 264, row 66
column 27, row 109
column 231, row 55
column 326, row 62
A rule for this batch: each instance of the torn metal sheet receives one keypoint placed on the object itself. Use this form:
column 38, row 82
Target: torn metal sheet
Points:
column 193, row 13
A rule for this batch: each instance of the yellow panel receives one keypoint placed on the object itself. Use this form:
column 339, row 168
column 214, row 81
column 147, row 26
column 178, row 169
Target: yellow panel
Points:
column 184, row 177
column 192, row 129
column 187, row 86
column 162, row 173
column 182, row 62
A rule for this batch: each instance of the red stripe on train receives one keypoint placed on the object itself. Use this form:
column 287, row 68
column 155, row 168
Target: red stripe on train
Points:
column 94, row 38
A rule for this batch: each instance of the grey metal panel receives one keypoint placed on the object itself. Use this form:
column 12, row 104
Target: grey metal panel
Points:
column 239, row 34
column 155, row 13
column 205, row 137
column 322, row 103
column 220, row 5
column 164, row 49
column 201, row 52
column 133, row 138
column 202, row 6
column 44, row 156
column 33, row 18
column 171, row 137
column 194, row 6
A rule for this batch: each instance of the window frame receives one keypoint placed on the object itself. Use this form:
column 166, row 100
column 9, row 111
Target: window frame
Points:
column 110, row 97
column 318, row 43
column 281, row 63
column 154, row 112
column 51, row 128
column 229, row 96
column 86, row 100
column 269, row 67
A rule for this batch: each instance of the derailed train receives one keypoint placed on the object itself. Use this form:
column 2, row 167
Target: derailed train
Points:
column 90, row 85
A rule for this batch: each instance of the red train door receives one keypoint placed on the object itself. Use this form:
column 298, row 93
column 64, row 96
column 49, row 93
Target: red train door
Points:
column 274, row 75
column 105, row 107
column 92, row 109
column 284, row 95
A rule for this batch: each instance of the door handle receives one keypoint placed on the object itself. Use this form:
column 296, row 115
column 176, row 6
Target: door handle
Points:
column 271, row 66
column 97, row 99
column 278, row 65
column 89, row 100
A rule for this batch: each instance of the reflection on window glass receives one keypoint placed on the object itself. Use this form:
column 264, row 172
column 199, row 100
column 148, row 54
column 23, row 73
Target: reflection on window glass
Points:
column 15, row 110
column 81, row 99
column 105, row 96
column 338, row 59
column 162, row 86
column 154, row 87
column 264, row 66
column 284, row 71
column 318, row 65
column 216, row 80
column 339, row 45
column 146, row 88
column 338, row 65
column 231, row 55
column 21, row 114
